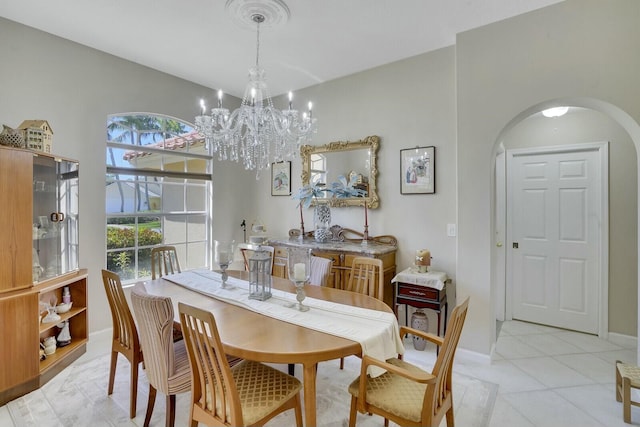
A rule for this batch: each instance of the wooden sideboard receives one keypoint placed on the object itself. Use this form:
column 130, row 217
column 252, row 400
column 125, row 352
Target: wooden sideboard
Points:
column 342, row 255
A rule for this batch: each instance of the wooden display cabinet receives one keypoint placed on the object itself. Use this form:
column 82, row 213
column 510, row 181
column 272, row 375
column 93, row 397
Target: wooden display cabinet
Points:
column 38, row 258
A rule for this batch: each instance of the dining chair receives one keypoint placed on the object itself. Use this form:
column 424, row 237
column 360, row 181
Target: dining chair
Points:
column 249, row 393
column 166, row 362
column 366, row 277
column 125, row 335
column 247, row 249
column 164, row 260
column 406, row 394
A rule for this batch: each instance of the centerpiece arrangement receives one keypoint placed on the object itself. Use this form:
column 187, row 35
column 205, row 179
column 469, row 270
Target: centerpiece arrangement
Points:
column 341, row 188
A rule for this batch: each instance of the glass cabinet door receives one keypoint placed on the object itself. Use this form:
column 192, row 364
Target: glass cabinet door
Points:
column 55, row 217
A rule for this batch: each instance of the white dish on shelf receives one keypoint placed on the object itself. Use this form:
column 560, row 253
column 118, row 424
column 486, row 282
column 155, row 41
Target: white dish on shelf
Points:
column 63, row 307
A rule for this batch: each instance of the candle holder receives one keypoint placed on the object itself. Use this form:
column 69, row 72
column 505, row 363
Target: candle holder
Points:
column 365, row 235
column 260, row 274
column 299, row 264
column 223, row 256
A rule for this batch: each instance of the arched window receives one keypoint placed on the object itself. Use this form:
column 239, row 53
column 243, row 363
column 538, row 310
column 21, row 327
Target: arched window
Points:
column 158, row 190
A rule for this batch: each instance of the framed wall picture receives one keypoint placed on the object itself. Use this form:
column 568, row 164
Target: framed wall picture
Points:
column 281, row 179
column 417, row 170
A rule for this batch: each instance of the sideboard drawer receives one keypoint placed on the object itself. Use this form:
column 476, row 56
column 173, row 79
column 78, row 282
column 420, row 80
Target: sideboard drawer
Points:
column 419, row 292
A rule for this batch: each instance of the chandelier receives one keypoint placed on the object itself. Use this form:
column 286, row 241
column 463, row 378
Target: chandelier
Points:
column 256, row 133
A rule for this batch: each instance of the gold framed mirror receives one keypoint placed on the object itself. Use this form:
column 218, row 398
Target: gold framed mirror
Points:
column 353, row 159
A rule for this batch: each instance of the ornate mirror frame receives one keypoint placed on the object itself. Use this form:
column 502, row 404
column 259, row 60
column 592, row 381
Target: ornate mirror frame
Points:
column 370, row 144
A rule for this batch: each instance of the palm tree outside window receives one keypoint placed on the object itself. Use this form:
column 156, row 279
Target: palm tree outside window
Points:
column 158, row 187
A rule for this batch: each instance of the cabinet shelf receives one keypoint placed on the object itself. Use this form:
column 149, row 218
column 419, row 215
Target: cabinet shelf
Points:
column 63, row 316
column 56, row 362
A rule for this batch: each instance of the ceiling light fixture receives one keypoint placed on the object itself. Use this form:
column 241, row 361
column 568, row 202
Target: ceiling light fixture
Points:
column 257, row 132
column 555, row 111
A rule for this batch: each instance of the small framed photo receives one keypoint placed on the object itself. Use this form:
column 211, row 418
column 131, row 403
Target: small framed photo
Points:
column 417, row 170
column 281, row 179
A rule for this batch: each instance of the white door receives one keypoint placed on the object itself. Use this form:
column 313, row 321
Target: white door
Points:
column 555, row 218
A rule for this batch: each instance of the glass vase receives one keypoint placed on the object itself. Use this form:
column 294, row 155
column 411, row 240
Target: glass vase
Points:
column 322, row 223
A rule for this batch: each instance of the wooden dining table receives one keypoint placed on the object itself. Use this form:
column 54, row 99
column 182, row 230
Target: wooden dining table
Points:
column 254, row 336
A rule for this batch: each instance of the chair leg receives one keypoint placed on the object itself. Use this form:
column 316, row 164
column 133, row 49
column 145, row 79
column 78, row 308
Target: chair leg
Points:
column 618, row 383
column 292, row 369
column 626, row 400
column 112, row 371
column 298, row 411
column 353, row 413
column 342, row 363
column 150, row 403
column 171, row 410
column 134, row 390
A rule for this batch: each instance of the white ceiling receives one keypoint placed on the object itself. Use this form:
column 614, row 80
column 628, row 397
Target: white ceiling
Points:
column 322, row 40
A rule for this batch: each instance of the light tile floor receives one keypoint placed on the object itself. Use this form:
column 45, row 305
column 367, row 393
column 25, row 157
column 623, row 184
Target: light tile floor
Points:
column 547, row 377
column 553, row 377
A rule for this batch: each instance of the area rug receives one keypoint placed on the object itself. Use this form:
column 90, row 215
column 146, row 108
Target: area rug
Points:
column 78, row 397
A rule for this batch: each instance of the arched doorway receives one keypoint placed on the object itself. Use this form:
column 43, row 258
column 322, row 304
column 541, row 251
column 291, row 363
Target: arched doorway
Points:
column 592, row 120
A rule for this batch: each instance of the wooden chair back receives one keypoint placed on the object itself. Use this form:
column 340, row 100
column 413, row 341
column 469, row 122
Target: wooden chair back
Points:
column 166, row 363
column 247, row 249
column 164, row 260
column 250, row 393
column 125, row 335
column 366, row 277
column 438, row 398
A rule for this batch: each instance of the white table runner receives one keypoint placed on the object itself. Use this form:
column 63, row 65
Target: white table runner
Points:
column 376, row 331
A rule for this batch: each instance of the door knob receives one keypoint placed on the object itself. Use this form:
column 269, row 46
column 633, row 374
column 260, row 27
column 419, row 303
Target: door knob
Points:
column 499, row 244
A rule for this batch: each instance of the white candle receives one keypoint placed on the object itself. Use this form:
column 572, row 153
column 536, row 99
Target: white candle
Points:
column 290, row 99
column 299, row 271
column 204, row 108
column 220, row 98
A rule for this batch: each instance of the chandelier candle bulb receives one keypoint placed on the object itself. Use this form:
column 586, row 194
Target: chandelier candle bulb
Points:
column 203, row 106
column 290, row 99
column 220, row 99
column 299, row 272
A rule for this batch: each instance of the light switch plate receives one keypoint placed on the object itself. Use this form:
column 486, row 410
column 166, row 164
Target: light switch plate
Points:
column 451, row 230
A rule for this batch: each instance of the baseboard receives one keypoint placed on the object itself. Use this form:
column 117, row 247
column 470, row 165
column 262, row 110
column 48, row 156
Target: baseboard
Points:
column 472, row 356
column 626, row 341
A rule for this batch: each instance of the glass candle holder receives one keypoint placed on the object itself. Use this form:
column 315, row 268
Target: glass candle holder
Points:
column 223, row 256
column 299, row 265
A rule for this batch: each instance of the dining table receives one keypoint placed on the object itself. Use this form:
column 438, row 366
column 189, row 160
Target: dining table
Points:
column 254, row 336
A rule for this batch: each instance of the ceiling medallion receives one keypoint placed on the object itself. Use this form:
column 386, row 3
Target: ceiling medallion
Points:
column 275, row 12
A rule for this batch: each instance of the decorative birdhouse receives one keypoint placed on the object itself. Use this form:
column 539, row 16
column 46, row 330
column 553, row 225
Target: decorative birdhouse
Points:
column 37, row 135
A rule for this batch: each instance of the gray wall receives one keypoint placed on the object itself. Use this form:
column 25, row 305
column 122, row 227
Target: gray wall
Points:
column 459, row 99
column 75, row 88
column 583, row 52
